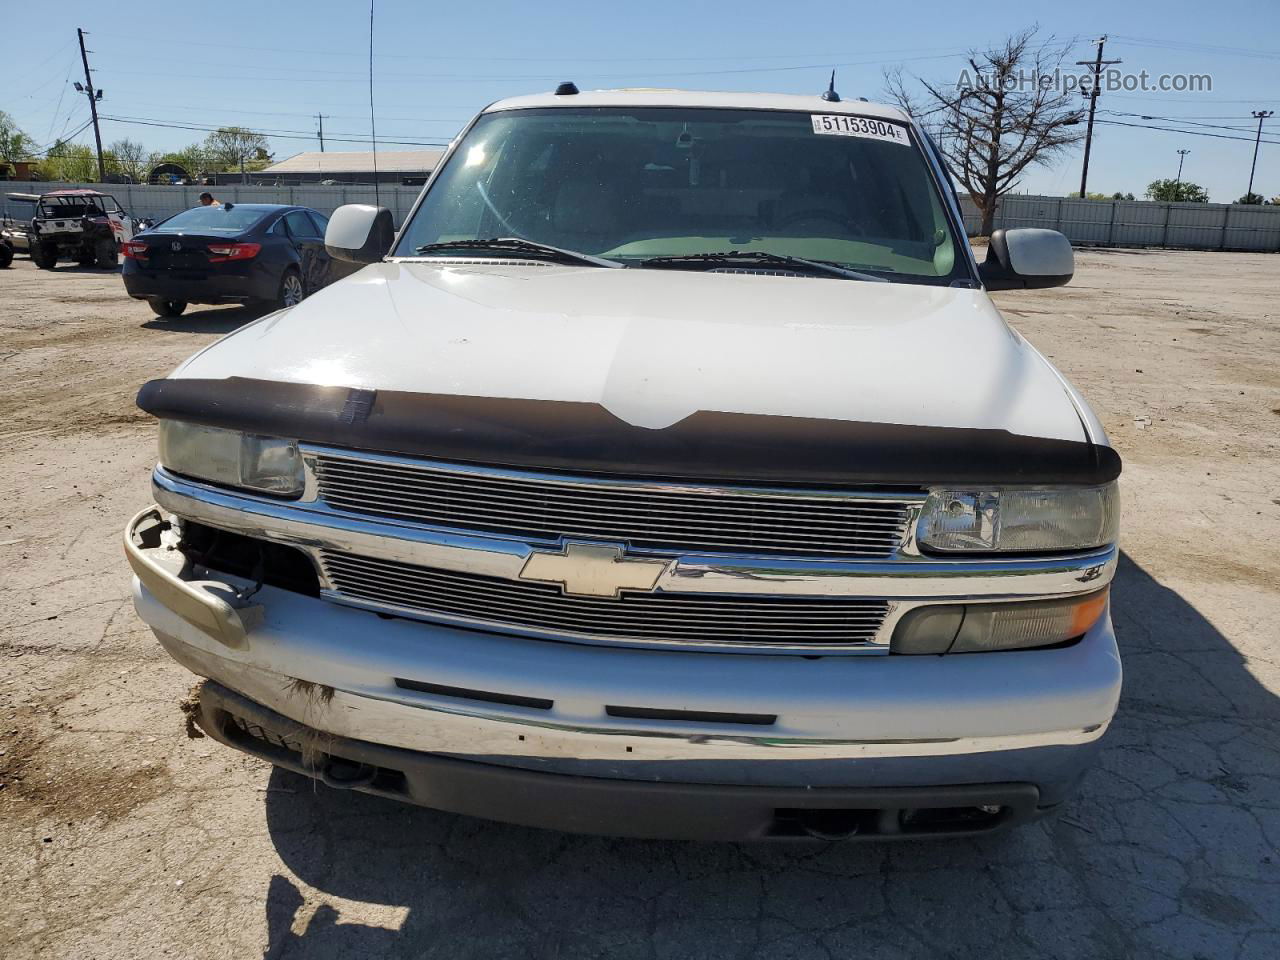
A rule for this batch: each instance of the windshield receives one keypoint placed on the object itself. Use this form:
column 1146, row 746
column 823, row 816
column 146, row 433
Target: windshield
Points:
column 216, row 219
column 636, row 184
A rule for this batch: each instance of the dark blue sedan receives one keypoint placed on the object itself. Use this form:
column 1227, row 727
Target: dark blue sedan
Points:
column 249, row 253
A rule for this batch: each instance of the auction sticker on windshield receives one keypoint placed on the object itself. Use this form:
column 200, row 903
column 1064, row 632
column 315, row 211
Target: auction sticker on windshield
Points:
column 842, row 125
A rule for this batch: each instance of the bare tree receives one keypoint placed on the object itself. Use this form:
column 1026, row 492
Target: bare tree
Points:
column 1005, row 112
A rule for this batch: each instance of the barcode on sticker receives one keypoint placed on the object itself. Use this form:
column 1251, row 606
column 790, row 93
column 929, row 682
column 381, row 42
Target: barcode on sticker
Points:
column 841, row 125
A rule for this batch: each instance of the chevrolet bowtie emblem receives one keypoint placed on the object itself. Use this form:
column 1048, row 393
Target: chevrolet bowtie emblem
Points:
column 592, row 570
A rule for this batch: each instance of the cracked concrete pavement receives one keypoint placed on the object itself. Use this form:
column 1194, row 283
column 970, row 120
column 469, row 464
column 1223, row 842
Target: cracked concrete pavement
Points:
column 119, row 837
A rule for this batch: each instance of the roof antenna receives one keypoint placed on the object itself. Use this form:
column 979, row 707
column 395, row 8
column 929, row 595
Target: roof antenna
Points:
column 830, row 94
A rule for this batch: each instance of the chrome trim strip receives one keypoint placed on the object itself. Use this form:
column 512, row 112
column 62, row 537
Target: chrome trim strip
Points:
column 921, row 579
column 876, row 647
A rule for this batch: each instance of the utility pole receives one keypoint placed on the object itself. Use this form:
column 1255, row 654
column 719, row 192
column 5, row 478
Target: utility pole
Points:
column 1096, row 66
column 94, row 96
column 320, row 117
column 1260, row 115
column 1182, row 155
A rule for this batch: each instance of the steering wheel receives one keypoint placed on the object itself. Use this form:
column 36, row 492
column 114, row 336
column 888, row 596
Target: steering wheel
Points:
column 825, row 216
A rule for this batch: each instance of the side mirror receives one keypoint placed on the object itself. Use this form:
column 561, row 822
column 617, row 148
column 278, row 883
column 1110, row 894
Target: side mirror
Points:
column 1027, row 258
column 359, row 233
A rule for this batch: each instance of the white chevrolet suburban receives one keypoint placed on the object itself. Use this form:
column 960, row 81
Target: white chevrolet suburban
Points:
column 669, row 473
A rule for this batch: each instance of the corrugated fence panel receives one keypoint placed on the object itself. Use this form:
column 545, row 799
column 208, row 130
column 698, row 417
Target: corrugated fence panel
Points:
column 1195, row 225
column 1251, row 227
column 1085, row 221
column 142, row 200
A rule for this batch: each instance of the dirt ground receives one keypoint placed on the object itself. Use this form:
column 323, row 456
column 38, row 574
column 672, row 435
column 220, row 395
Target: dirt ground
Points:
column 121, row 838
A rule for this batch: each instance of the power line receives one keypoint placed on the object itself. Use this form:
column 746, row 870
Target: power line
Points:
column 568, row 59
column 1193, row 47
column 472, row 77
column 1190, row 133
column 279, row 135
column 1193, row 123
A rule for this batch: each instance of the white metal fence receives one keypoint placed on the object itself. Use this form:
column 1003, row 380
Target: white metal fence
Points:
column 1139, row 223
column 141, row 200
column 1120, row 223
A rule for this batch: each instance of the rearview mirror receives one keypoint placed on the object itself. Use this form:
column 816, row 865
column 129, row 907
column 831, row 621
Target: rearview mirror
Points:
column 1027, row 258
column 359, row 233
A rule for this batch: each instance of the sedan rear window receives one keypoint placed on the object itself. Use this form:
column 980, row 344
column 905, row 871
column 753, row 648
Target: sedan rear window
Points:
column 216, row 219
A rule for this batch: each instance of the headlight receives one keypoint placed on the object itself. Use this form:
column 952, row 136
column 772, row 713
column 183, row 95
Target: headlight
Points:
column 232, row 458
column 985, row 627
column 1045, row 519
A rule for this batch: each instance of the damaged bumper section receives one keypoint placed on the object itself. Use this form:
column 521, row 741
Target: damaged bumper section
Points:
column 599, row 805
column 617, row 740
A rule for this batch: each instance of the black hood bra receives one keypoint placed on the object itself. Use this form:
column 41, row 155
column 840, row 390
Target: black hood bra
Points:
column 586, row 438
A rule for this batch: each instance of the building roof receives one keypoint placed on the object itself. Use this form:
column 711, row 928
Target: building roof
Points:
column 698, row 98
column 357, row 161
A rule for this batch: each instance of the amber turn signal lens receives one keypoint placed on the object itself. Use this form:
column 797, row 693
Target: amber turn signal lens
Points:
column 979, row 627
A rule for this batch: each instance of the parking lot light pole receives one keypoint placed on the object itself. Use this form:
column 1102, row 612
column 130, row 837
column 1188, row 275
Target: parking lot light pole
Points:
column 1260, row 115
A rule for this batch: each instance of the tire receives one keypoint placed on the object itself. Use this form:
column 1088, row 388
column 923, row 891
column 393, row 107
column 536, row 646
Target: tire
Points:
column 166, row 308
column 104, row 254
column 291, row 291
column 6, row 255
column 45, row 255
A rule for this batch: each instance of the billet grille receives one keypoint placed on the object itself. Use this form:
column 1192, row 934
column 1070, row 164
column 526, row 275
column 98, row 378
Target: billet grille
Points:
column 692, row 618
column 680, row 519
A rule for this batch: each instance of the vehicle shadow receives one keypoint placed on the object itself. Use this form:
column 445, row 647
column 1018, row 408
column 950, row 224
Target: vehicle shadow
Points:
column 208, row 319
column 1168, row 850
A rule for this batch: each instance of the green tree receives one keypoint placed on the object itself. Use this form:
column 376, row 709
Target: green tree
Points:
column 190, row 158
column 1174, row 191
column 131, row 159
column 1121, row 196
column 1253, row 198
column 1075, row 194
column 15, row 145
column 74, row 162
column 227, row 148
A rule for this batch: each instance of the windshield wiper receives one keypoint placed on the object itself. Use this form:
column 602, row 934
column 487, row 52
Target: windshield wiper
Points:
column 762, row 257
column 518, row 245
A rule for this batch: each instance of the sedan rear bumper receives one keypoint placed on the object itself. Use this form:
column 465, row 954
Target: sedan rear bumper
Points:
column 216, row 287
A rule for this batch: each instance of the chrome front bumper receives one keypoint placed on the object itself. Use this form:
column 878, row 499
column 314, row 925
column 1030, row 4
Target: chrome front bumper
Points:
column 1033, row 716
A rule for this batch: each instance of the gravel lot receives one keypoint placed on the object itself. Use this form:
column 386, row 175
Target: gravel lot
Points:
column 119, row 837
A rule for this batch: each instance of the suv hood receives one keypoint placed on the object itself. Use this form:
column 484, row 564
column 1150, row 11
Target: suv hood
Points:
column 653, row 347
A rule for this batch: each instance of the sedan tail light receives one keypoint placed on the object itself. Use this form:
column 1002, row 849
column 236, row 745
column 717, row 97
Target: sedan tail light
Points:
column 134, row 249
column 221, row 252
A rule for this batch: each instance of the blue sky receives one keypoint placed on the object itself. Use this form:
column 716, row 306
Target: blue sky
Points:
column 273, row 65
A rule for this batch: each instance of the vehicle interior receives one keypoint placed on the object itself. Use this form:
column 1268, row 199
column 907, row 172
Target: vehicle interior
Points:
column 660, row 182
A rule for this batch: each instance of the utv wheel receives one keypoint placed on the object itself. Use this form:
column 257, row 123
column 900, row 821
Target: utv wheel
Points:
column 45, row 255
column 291, row 290
column 104, row 252
column 167, row 308
column 6, row 255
